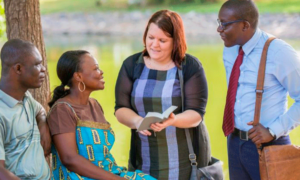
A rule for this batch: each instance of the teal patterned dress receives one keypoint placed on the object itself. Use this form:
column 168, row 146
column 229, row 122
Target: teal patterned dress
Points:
column 94, row 142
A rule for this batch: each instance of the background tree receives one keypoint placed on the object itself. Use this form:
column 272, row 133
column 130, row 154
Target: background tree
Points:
column 23, row 21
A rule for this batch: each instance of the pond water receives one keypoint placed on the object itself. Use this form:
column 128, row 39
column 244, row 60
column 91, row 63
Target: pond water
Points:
column 110, row 53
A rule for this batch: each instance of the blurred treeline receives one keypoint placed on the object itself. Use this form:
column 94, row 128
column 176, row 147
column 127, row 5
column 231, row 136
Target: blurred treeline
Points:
column 153, row 2
column 165, row 2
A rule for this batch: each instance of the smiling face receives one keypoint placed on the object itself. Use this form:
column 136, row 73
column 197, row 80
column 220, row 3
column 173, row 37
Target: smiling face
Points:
column 159, row 46
column 232, row 34
column 32, row 71
column 90, row 73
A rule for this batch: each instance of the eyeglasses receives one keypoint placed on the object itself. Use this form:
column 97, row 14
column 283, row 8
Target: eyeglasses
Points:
column 224, row 24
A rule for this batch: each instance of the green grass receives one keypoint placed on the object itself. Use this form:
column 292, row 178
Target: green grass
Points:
column 54, row 6
column 265, row 6
column 2, row 22
column 283, row 6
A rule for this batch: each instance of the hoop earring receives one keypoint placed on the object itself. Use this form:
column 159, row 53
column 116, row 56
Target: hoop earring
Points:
column 79, row 86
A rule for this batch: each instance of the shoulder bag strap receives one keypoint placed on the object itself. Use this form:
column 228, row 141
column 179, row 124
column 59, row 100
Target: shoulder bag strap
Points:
column 260, row 86
column 192, row 155
column 260, row 81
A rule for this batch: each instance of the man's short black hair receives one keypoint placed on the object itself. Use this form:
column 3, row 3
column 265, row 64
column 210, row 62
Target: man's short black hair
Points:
column 14, row 51
column 244, row 9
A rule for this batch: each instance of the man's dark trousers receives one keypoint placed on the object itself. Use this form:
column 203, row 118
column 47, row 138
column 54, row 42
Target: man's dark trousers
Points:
column 243, row 157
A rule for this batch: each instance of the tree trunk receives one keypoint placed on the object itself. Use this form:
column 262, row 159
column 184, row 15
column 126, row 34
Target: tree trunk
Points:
column 23, row 21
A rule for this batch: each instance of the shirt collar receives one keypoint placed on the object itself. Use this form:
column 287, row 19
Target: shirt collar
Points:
column 249, row 46
column 10, row 101
column 141, row 59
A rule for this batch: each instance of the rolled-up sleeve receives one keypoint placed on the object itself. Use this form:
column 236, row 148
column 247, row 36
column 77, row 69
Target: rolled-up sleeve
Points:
column 35, row 105
column 61, row 119
column 2, row 152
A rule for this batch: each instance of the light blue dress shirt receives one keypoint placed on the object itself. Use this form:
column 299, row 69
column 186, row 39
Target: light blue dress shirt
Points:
column 282, row 78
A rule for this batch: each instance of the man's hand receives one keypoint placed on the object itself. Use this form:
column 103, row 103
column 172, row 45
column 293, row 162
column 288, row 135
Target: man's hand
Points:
column 259, row 134
column 44, row 131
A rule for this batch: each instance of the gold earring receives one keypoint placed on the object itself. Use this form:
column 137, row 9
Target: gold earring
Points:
column 79, row 86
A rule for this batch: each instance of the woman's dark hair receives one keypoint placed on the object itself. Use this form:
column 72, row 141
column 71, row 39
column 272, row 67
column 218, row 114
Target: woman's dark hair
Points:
column 171, row 23
column 67, row 65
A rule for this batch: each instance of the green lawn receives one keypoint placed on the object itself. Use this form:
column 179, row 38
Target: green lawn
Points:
column 265, row 6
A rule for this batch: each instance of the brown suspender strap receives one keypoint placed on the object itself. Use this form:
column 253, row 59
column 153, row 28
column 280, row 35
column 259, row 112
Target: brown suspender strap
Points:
column 260, row 81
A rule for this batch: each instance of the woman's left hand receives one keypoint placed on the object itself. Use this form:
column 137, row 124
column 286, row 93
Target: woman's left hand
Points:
column 157, row 127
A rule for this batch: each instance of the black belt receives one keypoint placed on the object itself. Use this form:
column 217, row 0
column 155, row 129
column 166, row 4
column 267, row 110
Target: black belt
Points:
column 243, row 135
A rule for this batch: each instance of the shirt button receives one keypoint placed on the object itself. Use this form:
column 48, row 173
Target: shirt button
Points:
column 242, row 72
column 238, row 101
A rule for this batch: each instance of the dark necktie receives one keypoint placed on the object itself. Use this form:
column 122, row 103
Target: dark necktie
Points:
column 228, row 121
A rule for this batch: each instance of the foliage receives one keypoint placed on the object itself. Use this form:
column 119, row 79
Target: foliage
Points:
column 168, row 2
column 181, row 6
column 2, row 21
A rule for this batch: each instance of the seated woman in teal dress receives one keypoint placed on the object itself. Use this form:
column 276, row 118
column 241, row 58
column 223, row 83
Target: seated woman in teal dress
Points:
column 81, row 135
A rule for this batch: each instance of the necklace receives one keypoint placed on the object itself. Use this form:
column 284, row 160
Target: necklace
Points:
column 159, row 67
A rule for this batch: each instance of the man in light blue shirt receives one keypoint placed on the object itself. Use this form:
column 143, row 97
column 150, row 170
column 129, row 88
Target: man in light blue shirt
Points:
column 22, row 146
column 238, row 21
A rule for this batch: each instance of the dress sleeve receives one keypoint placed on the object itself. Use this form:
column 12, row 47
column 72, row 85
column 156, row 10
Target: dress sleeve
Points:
column 61, row 119
column 195, row 86
column 124, row 86
column 97, row 104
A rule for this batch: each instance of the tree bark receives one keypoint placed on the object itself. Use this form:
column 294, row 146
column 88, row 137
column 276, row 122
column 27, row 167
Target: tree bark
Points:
column 23, row 21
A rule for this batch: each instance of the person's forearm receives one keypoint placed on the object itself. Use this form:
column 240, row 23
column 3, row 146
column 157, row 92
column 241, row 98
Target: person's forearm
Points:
column 84, row 167
column 187, row 119
column 7, row 175
column 44, row 131
column 287, row 121
column 45, row 137
column 128, row 117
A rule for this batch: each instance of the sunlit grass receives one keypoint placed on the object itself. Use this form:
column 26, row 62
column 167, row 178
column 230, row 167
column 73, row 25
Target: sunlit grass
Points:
column 2, row 22
column 54, row 6
column 288, row 6
column 265, row 6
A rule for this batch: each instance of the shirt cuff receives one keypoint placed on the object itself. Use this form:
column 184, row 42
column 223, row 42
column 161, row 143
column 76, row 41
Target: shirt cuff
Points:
column 2, row 155
column 277, row 128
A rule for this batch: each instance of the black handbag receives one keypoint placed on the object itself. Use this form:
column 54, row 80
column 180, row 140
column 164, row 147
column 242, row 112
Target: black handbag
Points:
column 214, row 170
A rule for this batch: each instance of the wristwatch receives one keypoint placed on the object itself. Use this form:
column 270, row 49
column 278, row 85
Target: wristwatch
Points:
column 272, row 133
